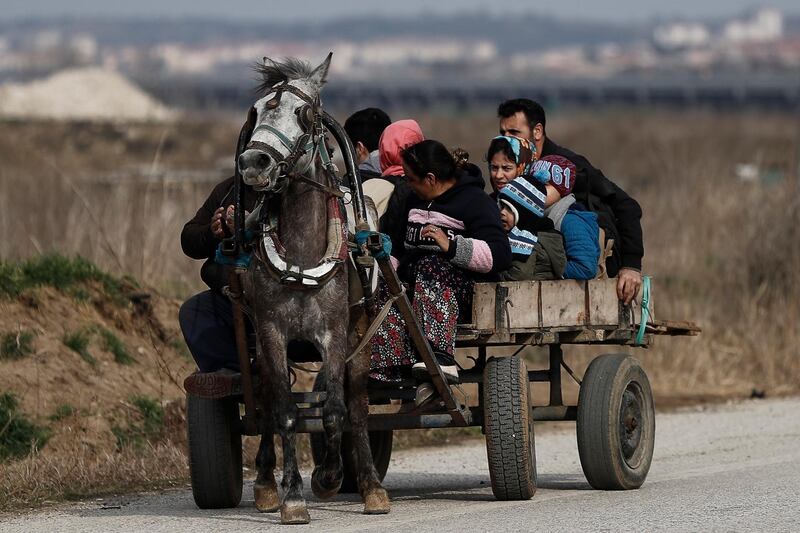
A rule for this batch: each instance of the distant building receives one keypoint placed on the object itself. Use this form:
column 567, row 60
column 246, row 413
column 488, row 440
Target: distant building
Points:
column 681, row 36
column 763, row 26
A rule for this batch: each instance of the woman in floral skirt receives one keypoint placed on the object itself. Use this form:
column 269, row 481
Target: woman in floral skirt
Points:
column 452, row 238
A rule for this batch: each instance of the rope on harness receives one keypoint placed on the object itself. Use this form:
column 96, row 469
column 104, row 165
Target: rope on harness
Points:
column 373, row 328
column 645, row 316
column 240, row 261
column 386, row 243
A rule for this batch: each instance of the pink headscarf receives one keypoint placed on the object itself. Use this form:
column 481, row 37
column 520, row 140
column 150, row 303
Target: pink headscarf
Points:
column 397, row 136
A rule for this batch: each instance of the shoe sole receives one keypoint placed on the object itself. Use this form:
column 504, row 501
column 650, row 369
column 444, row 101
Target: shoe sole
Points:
column 211, row 386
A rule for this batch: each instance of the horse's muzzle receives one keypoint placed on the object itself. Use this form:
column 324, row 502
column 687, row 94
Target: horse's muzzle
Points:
column 257, row 169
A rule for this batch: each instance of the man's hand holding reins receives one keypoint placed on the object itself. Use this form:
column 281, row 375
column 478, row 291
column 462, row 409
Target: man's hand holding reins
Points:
column 216, row 223
column 224, row 216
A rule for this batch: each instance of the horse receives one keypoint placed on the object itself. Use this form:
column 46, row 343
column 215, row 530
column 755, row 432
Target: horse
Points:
column 296, row 287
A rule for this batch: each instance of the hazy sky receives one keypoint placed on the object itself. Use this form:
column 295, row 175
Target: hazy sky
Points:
column 619, row 10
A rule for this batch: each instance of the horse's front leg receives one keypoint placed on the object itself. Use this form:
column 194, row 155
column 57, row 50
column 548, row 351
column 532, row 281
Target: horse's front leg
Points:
column 327, row 477
column 265, row 489
column 375, row 497
column 284, row 409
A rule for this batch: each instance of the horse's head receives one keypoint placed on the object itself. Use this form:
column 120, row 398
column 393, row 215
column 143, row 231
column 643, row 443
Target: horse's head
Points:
column 284, row 123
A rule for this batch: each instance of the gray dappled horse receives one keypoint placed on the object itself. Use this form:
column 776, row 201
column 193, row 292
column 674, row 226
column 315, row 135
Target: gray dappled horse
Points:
column 284, row 159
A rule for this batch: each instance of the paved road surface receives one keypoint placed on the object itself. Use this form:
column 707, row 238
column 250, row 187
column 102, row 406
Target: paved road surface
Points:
column 732, row 467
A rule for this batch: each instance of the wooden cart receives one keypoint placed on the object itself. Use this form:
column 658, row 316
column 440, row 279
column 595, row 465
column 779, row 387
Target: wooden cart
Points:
column 614, row 413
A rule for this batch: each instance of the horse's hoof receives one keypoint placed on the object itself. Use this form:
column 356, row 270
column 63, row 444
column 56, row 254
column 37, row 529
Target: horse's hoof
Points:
column 294, row 513
column 377, row 502
column 320, row 490
column 266, row 496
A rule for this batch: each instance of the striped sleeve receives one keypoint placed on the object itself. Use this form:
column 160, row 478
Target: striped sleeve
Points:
column 471, row 254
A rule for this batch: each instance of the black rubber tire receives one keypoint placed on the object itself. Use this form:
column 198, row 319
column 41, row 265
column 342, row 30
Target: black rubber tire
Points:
column 380, row 442
column 508, row 425
column 616, row 423
column 215, row 452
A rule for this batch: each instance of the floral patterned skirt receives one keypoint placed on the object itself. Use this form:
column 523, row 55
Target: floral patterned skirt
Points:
column 442, row 294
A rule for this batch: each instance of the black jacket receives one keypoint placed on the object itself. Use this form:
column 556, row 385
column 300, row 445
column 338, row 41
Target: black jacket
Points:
column 618, row 214
column 197, row 240
column 469, row 217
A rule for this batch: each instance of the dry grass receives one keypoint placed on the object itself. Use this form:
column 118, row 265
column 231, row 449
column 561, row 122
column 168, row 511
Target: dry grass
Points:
column 111, row 193
column 82, row 472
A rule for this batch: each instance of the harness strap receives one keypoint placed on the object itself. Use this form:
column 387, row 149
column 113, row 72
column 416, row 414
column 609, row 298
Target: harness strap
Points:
column 376, row 323
column 285, row 141
column 276, row 155
column 330, row 190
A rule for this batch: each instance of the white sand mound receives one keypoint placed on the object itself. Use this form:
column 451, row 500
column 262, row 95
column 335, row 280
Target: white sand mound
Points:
column 81, row 94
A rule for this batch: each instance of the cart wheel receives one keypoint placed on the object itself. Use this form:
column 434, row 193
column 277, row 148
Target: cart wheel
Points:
column 215, row 452
column 380, row 442
column 616, row 423
column 509, row 429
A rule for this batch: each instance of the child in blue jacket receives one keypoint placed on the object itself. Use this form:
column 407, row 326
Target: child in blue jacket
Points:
column 577, row 224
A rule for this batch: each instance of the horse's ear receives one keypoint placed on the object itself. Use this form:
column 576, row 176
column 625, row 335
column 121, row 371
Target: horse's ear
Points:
column 320, row 74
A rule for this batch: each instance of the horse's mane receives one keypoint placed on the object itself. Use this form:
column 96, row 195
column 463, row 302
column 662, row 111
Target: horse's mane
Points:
column 273, row 72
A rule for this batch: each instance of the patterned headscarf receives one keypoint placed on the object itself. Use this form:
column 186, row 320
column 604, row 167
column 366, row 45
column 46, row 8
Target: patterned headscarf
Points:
column 524, row 153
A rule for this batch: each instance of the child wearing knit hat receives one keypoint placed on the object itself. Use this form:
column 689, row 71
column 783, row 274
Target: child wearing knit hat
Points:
column 537, row 248
column 577, row 224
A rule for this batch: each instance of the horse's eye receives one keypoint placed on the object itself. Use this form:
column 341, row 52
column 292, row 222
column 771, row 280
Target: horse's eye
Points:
column 272, row 103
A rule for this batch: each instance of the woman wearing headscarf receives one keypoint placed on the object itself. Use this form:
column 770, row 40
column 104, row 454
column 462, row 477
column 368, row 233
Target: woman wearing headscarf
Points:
column 395, row 138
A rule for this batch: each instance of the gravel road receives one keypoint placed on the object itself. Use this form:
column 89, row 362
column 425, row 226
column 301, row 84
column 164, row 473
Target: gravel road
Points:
column 729, row 467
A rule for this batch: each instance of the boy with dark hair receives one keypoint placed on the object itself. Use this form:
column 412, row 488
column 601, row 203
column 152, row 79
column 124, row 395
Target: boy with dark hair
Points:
column 618, row 214
column 364, row 128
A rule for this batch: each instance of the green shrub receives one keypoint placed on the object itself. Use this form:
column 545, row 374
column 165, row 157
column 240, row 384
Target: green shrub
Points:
column 112, row 344
column 78, row 342
column 11, row 282
column 18, row 435
column 63, row 411
column 152, row 414
column 16, row 345
column 145, row 426
column 58, row 271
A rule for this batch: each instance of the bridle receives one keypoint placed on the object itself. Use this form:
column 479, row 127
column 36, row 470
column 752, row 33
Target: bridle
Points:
column 316, row 124
column 309, row 117
column 313, row 122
